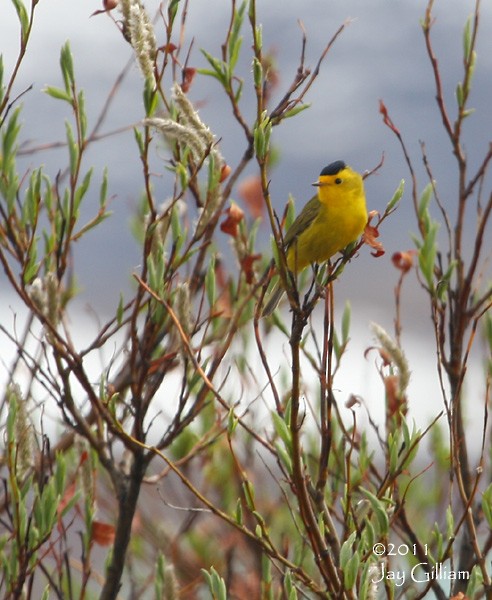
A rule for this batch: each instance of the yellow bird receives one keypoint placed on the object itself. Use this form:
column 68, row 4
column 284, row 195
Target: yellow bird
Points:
column 330, row 221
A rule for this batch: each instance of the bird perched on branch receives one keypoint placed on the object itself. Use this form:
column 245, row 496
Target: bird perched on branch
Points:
column 332, row 219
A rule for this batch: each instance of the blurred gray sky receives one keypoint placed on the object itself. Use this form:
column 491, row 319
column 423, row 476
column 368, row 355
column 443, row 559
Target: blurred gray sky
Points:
column 380, row 55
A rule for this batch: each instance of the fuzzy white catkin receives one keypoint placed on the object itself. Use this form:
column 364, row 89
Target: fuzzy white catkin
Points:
column 141, row 35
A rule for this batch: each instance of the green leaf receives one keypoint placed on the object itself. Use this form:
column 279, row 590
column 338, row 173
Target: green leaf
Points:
column 346, row 550
column 220, row 69
column 460, row 97
column 182, row 174
column 261, row 136
column 289, row 588
column 397, row 196
column 73, row 149
column 296, row 110
column 172, row 10
column 209, row 73
column 425, row 198
column 350, row 572
column 57, row 93
column 266, row 578
column 66, row 64
column 249, row 494
column 368, row 535
column 103, row 192
column 251, row 10
column 475, row 583
column 257, row 73
column 284, row 457
column 407, row 436
column 153, row 277
column 210, row 283
column 437, row 540
column 159, row 576
column 150, row 98
column 213, row 175
column 239, row 90
column 235, row 40
column 82, row 114
column 31, row 267
column 261, row 521
column 471, row 67
column 238, row 515
column 231, row 423
column 282, row 430
column 216, row 584
column 409, row 441
column 140, row 139
column 234, row 54
column 23, row 16
column 46, row 593
column 467, row 38
column 258, row 37
column 60, row 473
column 393, row 451
column 379, row 510
column 487, row 504
column 9, row 139
column 428, row 252
column 80, row 192
column 21, row 522
column 259, row 143
column 120, row 310
column 337, row 347
column 346, row 322
column 49, row 502
column 30, row 209
column 449, row 523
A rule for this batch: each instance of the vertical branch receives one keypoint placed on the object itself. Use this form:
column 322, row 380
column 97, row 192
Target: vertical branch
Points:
column 427, row 26
column 326, row 391
column 128, row 488
column 321, row 553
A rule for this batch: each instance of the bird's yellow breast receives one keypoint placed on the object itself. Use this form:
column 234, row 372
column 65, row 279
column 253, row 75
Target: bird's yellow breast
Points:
column 340, row 219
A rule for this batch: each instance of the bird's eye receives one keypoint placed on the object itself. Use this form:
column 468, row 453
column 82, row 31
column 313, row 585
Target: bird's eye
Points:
column 338, row 181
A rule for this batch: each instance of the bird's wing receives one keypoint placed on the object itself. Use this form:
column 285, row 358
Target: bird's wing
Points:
column 302, row 221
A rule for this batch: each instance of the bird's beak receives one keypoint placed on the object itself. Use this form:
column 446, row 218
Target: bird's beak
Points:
column 316, row 183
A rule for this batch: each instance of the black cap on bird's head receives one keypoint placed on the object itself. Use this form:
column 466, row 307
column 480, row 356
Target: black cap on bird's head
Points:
column 330, row 170
column 333, row 168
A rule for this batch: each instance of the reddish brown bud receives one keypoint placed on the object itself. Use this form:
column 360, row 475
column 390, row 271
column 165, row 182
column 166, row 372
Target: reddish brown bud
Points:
column 403, row 260
column 224, row 172
column 234, row 216
column 188, row 76
column 168, row 48
column 102, row 533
